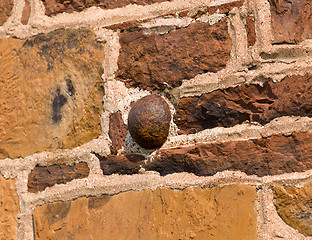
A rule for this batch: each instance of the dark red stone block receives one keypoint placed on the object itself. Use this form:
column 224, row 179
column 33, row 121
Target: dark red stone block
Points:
column 228, row 107
column 42, row 177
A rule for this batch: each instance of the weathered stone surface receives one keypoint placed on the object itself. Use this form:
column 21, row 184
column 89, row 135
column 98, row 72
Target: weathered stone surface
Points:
column 54, row 7
column 42, row 177
column 251, row 32
column 225, row 108
column 158, row 61
column 223, row 8
column 219, row 213
column 121, row 164
column 294, row 206
column 117, row 131
column 273, row 155
column 291, row 20
column 9, row 208
column 149, row 121
column 51, row 92
column 6, row 7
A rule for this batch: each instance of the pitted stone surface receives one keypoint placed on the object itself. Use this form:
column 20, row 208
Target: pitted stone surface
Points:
column 51, row 92
column 6, row 7
column 294, row 206
column 26, row 12
column 251, row 32
column 117, row 131
column 291, row 20
column 226, row 212
column 54, row 7
column 159, row 61
column 121, row 164
column 228, row 107
column 272, row 155
column 9, row 208
column 42, row 177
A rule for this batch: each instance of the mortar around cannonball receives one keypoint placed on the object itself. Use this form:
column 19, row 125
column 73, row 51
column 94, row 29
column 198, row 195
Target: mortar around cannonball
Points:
column 149, row 121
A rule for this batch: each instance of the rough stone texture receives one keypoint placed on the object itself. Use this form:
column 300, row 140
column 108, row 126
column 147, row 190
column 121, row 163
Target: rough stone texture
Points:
column 226, row 212
column 9, row 208
column 294, row 206
column 26, row 13
column 42, row 177
column 51, row 92
column 6, row 7
column 158, row 61
column 121, row 164
column 223, row 8
column 251, row 32
column 117, row 131
column 291, row 20
column 149, row 121
column 273, row 155
column 54, row 7
column 225, row 108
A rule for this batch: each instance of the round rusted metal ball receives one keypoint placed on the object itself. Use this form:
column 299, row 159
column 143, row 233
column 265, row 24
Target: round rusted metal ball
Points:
column 149, row 121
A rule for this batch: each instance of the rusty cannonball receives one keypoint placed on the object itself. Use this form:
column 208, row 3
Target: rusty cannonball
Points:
column 149, row 121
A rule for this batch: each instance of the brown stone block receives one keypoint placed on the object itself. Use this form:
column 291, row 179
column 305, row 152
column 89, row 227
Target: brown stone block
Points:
column 42, row 177
column 121, row 164
column 26, row 13
column 228, row 107
column 9, row 208
column 226, row 212
column 251, row 32
column 117, row 131
column 159, row 61
column 294, row 206
column 6, row 7
column 291, row 20
column 54, row 7
column 273, row 155
column 51, row 92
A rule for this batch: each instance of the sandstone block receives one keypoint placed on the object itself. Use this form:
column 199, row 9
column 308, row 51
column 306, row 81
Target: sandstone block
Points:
column 51, row 92
column 121, row 164
column 226, row 212
column 272, row 155
column 9, row 208
column 228, row 107
column 26, row 13
column 42, row 177
column 251, row 31
column 159, row 61
column 294, row 206
column 54, row 7
column 291, row 20
column 117, row 131
column 6, row 7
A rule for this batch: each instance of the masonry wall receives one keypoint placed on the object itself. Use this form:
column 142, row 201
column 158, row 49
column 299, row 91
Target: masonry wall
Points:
column 237, row 77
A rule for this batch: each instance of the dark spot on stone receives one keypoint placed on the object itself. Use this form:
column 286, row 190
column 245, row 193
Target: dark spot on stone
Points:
column 57, row 211
column 70, row 87
column 149, row 121
column 58, row 102
column 96, row 202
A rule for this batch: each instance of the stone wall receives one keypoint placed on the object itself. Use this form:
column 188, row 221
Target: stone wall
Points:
column 236, row 77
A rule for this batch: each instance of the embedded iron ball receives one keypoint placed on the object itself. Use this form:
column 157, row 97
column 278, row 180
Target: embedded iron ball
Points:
column 149, row 121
